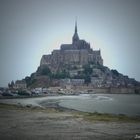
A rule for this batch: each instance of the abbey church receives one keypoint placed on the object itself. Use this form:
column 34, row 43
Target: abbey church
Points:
column 78, row 53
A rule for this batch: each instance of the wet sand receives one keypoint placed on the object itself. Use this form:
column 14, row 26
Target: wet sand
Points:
column 26, row 119
column 38, row 124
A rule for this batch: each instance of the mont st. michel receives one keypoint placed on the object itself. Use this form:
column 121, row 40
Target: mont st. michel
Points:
column 81, row 88
column 76, row 67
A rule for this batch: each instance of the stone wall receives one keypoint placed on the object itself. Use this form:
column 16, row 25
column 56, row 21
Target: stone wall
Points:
column 83, row 57
column 71, row 57
column 122, row 90
column 90, row 89
column 46, row 59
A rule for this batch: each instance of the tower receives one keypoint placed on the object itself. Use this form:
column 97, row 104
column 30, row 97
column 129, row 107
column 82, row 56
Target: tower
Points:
column 75, row 37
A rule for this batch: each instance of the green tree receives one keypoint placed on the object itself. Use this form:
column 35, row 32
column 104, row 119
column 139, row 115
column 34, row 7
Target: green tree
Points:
column 87, row 79
column 28, row 80
column 115, row 72
column 44, row 70
column 12, row 84
column 87, row 70
column 60, row 74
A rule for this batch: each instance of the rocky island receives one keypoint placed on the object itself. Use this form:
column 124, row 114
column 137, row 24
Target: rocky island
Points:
column 77, row 67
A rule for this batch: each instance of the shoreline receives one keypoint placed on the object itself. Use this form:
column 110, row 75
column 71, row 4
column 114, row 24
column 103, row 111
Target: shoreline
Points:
column 59, row 95
column 54, row 102
column 55, row 107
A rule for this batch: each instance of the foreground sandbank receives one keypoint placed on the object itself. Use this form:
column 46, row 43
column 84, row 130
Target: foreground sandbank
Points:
column 23, row 123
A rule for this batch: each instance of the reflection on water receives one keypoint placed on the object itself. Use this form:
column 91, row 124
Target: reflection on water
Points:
column 105, row 103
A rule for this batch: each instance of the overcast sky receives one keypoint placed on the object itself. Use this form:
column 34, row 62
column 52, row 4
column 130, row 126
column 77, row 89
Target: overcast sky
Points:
column 31, row 28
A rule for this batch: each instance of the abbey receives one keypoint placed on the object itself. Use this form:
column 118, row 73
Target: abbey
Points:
column 78, row 53
column 77, row 67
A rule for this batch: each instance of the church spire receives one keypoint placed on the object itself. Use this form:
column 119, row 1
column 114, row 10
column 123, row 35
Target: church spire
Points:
column 76, row 25
column 75, row 36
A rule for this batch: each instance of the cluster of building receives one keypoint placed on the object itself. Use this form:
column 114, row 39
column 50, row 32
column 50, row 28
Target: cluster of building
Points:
column 20, row 88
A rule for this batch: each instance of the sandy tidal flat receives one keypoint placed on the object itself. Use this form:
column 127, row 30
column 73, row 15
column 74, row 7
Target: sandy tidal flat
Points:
column 28, row 124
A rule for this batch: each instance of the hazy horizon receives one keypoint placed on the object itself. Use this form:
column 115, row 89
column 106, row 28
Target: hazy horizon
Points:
column 31, row 28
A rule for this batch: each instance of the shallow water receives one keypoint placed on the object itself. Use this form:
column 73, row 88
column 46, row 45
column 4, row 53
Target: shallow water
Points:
column 105, row 103
column 128, row 104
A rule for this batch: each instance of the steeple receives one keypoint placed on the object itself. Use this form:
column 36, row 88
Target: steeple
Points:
column 76, row 26
column 75, row 37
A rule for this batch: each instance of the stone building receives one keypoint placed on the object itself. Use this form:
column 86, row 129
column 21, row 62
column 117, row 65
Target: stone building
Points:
column 20, row 84
column 77, row 53
column 71, row 82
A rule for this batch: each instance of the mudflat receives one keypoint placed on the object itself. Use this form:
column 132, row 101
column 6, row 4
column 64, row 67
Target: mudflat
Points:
column 37, row 124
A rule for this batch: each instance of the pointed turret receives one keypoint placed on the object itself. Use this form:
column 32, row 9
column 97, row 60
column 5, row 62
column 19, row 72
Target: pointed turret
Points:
column 75, row 37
